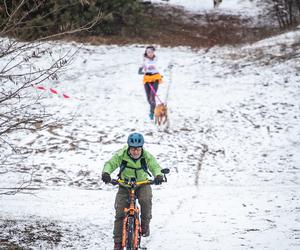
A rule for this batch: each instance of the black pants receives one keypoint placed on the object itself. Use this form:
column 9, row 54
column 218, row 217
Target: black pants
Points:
column 150, row 95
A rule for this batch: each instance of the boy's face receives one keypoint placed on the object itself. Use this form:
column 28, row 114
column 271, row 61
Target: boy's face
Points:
column 135, row 152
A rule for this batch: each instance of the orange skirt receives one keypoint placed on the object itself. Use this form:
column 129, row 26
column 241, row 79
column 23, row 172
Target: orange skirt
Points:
column 152, row 78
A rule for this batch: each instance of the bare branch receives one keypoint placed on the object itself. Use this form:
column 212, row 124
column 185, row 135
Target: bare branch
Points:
column 87, row 26
column 25, row 185
column 21, row 108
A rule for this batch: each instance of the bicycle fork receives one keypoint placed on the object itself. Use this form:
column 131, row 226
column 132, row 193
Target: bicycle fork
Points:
column 133, row 212
column 137, row 233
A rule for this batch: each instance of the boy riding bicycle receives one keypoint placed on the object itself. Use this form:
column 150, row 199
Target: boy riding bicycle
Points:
column 134, row 162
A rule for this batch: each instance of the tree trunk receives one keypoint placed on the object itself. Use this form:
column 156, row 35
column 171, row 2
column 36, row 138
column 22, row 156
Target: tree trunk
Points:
column 278, row 13
column 298, row 4
column 290, row 11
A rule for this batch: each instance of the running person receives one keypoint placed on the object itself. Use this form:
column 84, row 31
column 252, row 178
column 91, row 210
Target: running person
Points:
column 151, row 77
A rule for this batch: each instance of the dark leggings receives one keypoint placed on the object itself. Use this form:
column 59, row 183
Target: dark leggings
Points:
column 150, row 95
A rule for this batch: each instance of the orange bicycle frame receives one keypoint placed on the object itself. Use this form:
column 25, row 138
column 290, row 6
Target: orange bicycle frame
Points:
column 133, row 211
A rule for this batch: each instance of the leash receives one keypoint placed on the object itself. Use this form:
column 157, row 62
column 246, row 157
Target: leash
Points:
column 153, row 90
column 170, row 66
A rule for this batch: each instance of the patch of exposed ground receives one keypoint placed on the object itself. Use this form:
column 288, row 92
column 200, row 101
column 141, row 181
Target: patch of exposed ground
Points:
column 173, row 26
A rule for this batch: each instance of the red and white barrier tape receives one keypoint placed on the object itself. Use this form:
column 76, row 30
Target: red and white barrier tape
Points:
column 53, row 91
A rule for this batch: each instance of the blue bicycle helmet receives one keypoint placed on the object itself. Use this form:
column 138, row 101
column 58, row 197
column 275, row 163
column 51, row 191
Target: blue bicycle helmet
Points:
column 135, row 140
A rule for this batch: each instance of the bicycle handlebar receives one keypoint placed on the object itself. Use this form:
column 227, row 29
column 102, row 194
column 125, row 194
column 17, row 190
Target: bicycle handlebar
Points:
column 138, row 183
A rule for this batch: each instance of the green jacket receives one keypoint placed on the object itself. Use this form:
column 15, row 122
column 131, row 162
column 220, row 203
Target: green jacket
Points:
column 115, row 162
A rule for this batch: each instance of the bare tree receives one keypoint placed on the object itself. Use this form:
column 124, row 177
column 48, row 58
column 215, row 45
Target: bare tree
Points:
column 24, row 65
column 298, row 4
column 217, row 3
column 287, row 12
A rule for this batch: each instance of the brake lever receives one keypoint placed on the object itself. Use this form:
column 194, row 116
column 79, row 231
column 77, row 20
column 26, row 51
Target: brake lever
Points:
column 165, row 178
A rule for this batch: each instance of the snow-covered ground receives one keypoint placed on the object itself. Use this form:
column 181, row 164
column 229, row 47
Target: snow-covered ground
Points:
column 232, row 146
column 248, row 7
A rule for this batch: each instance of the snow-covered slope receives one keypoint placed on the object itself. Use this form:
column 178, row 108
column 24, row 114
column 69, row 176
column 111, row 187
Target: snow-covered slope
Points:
column 229, row 6
column 232, row 147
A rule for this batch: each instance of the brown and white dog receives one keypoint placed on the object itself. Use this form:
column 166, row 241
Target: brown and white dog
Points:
column 161, row 114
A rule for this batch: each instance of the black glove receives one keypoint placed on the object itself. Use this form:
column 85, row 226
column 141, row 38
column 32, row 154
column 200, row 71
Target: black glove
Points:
column 140, row 72
column 158, row 179
column 106, row 178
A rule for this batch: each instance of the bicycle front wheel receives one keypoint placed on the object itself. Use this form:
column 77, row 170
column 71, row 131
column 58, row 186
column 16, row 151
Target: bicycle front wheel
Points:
column 130, row 234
